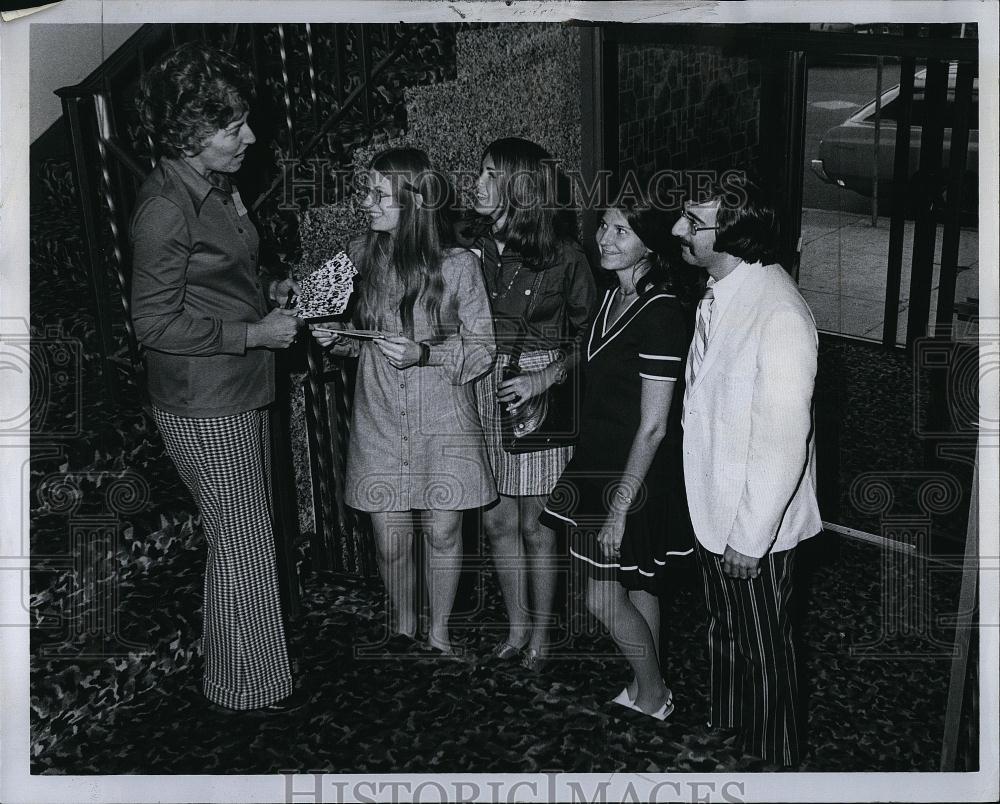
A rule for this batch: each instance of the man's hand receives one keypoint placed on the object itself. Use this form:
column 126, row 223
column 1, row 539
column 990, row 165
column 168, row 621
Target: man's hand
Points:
column 737, row 565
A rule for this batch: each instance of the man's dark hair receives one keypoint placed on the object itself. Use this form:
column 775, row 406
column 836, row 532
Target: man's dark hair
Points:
column 193, row 92
column 747, row 220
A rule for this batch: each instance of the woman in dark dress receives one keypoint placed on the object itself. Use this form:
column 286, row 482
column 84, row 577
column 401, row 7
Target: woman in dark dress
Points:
column 622, row 496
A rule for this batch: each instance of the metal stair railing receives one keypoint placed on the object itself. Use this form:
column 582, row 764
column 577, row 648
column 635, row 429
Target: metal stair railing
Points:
column 111, row 155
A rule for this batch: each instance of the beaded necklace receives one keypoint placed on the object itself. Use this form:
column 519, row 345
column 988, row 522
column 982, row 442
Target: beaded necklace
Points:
column 496, row 294
column 502, row 294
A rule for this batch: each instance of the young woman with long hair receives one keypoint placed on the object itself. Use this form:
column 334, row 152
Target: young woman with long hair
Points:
column 622, row 497
column 416, row 457
column 541, row 292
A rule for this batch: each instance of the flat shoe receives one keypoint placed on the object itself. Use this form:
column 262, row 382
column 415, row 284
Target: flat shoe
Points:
column 458, row 657
column 291, row 703
column 533, row 661
column 624, row 699
column 664, row 711
column 455, row 652
column 506, row 652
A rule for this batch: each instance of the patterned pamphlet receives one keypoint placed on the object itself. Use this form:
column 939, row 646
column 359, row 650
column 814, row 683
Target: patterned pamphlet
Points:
column 326, row 291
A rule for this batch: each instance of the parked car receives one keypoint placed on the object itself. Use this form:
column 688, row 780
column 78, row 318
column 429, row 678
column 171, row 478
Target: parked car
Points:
column 845, row 152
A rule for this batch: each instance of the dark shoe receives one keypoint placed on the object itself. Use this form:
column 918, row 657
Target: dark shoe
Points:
column 533, row 661
column 725, row 733
column 401, row 644
column 287, row 704
column 292, row 703
column 505, row 652
column 454, row 652
column 460, row 656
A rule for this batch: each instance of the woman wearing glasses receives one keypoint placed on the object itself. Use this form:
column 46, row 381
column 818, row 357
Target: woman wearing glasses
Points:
column 542, row 294
column 622, row 496
column 416, row 457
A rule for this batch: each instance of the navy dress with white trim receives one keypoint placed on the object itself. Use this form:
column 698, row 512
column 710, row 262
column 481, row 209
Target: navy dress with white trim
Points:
column 649, row 341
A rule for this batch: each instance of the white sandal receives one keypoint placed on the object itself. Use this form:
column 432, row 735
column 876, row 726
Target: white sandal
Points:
column 624, row 699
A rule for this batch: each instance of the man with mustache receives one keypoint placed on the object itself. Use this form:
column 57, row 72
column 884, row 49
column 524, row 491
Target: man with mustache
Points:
column 749, row 460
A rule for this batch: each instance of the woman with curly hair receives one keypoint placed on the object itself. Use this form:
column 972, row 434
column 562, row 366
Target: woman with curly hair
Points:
column 201, row 308
column 416, row 458
column 621, row 498
column 541, row 293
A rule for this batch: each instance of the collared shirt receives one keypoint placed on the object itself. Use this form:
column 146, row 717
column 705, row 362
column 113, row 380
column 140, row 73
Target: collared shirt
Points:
column 195, row 287
column 725, row 290
column 564, row 296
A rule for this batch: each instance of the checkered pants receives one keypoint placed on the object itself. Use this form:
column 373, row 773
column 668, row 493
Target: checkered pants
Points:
column 225, row 463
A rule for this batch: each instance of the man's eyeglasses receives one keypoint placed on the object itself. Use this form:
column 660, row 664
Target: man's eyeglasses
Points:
column 694, row 225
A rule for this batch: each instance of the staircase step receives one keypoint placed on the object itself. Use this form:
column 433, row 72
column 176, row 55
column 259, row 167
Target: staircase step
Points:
column 533, row 72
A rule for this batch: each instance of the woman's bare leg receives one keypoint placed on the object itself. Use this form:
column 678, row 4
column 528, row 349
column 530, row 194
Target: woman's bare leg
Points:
column 443, row 532
column 501, row 523
column 649, row 607
column 394, row 547
column 539, row 545
column 610, row 603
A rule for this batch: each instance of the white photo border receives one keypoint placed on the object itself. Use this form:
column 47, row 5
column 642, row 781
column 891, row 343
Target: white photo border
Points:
column 18, row 785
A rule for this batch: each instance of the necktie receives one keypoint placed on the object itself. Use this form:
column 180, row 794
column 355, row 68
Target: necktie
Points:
column 700, row 342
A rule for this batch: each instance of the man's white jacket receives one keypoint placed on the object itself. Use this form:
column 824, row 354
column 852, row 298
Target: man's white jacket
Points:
column 749, row 446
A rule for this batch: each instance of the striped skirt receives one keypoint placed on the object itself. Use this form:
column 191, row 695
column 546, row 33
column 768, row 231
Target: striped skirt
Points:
column 529, row 473
column 225, row 464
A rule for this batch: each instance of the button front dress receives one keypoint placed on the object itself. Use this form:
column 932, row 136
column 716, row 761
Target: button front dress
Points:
column 416, row 437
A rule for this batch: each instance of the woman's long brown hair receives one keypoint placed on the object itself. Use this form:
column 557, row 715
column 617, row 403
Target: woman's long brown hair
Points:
column 415, row 250
column 536, row 196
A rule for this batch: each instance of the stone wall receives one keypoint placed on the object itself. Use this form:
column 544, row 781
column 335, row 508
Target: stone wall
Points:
column 686, row 107
column 512, row 80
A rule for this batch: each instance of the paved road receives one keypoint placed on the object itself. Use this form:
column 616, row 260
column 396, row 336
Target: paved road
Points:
column 834, row 94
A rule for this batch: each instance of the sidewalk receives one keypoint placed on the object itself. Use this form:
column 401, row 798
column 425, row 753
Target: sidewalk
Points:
column 844, row 265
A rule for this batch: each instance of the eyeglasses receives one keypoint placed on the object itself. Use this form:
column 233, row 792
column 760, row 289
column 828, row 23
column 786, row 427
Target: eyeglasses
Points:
column 378, row 195
column 694, row 226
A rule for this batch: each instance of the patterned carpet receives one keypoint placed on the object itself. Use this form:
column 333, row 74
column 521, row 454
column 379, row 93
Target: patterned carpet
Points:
column 875, row 645
column 371, row 712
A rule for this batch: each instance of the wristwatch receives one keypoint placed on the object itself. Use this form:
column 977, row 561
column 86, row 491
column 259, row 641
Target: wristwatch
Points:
column 561, row 373
column 425, row 354
column 623, row 496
